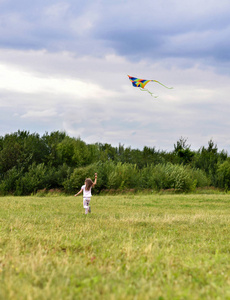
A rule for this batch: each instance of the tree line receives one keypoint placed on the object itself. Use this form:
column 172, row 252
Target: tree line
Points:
column 30, row 162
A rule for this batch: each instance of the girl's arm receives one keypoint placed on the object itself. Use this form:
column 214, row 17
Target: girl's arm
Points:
column 95, row 180
column 78, row 193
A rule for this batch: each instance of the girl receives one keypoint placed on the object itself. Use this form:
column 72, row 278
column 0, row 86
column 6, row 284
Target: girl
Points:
column 86, row 189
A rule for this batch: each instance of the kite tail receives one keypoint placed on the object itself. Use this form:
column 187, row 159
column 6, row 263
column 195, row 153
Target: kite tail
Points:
column 163, row 84
column 145, row 90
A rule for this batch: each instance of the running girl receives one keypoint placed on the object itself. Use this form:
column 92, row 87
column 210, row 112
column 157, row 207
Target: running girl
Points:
column 86, row 189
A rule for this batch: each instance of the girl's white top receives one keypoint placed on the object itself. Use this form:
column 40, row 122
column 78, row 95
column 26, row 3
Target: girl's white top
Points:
column 86, row 194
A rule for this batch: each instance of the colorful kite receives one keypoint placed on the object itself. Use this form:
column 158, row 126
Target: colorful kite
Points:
column 141, row 83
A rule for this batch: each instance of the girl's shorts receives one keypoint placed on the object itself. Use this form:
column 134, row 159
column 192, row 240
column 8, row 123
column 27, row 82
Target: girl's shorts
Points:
column 86, row 202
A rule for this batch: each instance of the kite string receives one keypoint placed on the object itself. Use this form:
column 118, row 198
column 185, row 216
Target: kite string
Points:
column 145, row 90
column 162, row 84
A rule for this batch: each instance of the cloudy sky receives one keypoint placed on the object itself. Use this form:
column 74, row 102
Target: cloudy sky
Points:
column 64, row 66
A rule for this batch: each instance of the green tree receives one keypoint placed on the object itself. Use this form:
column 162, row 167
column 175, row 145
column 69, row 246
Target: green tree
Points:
column 207, row 159
column 10, row 154
column 223, row 174
column 182, row 151
column 52, row 140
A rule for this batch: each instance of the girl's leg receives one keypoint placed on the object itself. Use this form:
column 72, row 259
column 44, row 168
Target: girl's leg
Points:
column 85, row 205
column 89, row 209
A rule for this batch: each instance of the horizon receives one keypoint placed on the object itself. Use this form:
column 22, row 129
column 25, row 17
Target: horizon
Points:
column 186, row 140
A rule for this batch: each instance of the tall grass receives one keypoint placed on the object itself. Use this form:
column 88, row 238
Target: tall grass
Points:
column 129, row 247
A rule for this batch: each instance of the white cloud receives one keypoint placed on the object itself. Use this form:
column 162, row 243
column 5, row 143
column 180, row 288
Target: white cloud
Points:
column 43, row 114
column 15, row 79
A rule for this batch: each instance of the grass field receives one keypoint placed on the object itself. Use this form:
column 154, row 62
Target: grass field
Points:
column 129, row 247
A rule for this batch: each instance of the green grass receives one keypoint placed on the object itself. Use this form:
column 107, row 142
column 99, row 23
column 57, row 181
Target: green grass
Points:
column 129, row 247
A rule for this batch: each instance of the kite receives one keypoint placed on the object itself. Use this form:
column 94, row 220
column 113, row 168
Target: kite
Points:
column 141, row 83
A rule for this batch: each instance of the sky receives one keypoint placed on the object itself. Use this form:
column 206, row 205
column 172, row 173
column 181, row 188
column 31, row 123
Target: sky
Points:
column 64, row 66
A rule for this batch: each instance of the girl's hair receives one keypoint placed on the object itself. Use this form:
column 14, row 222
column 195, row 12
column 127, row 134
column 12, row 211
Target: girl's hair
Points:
column 88, row 184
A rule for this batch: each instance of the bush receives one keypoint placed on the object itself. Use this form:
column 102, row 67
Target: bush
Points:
column 169, row 176
column 123, row 176
column 8, row 183
column 104, row 169
column 76, row 179
column 32, row 180
column 200, row 177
